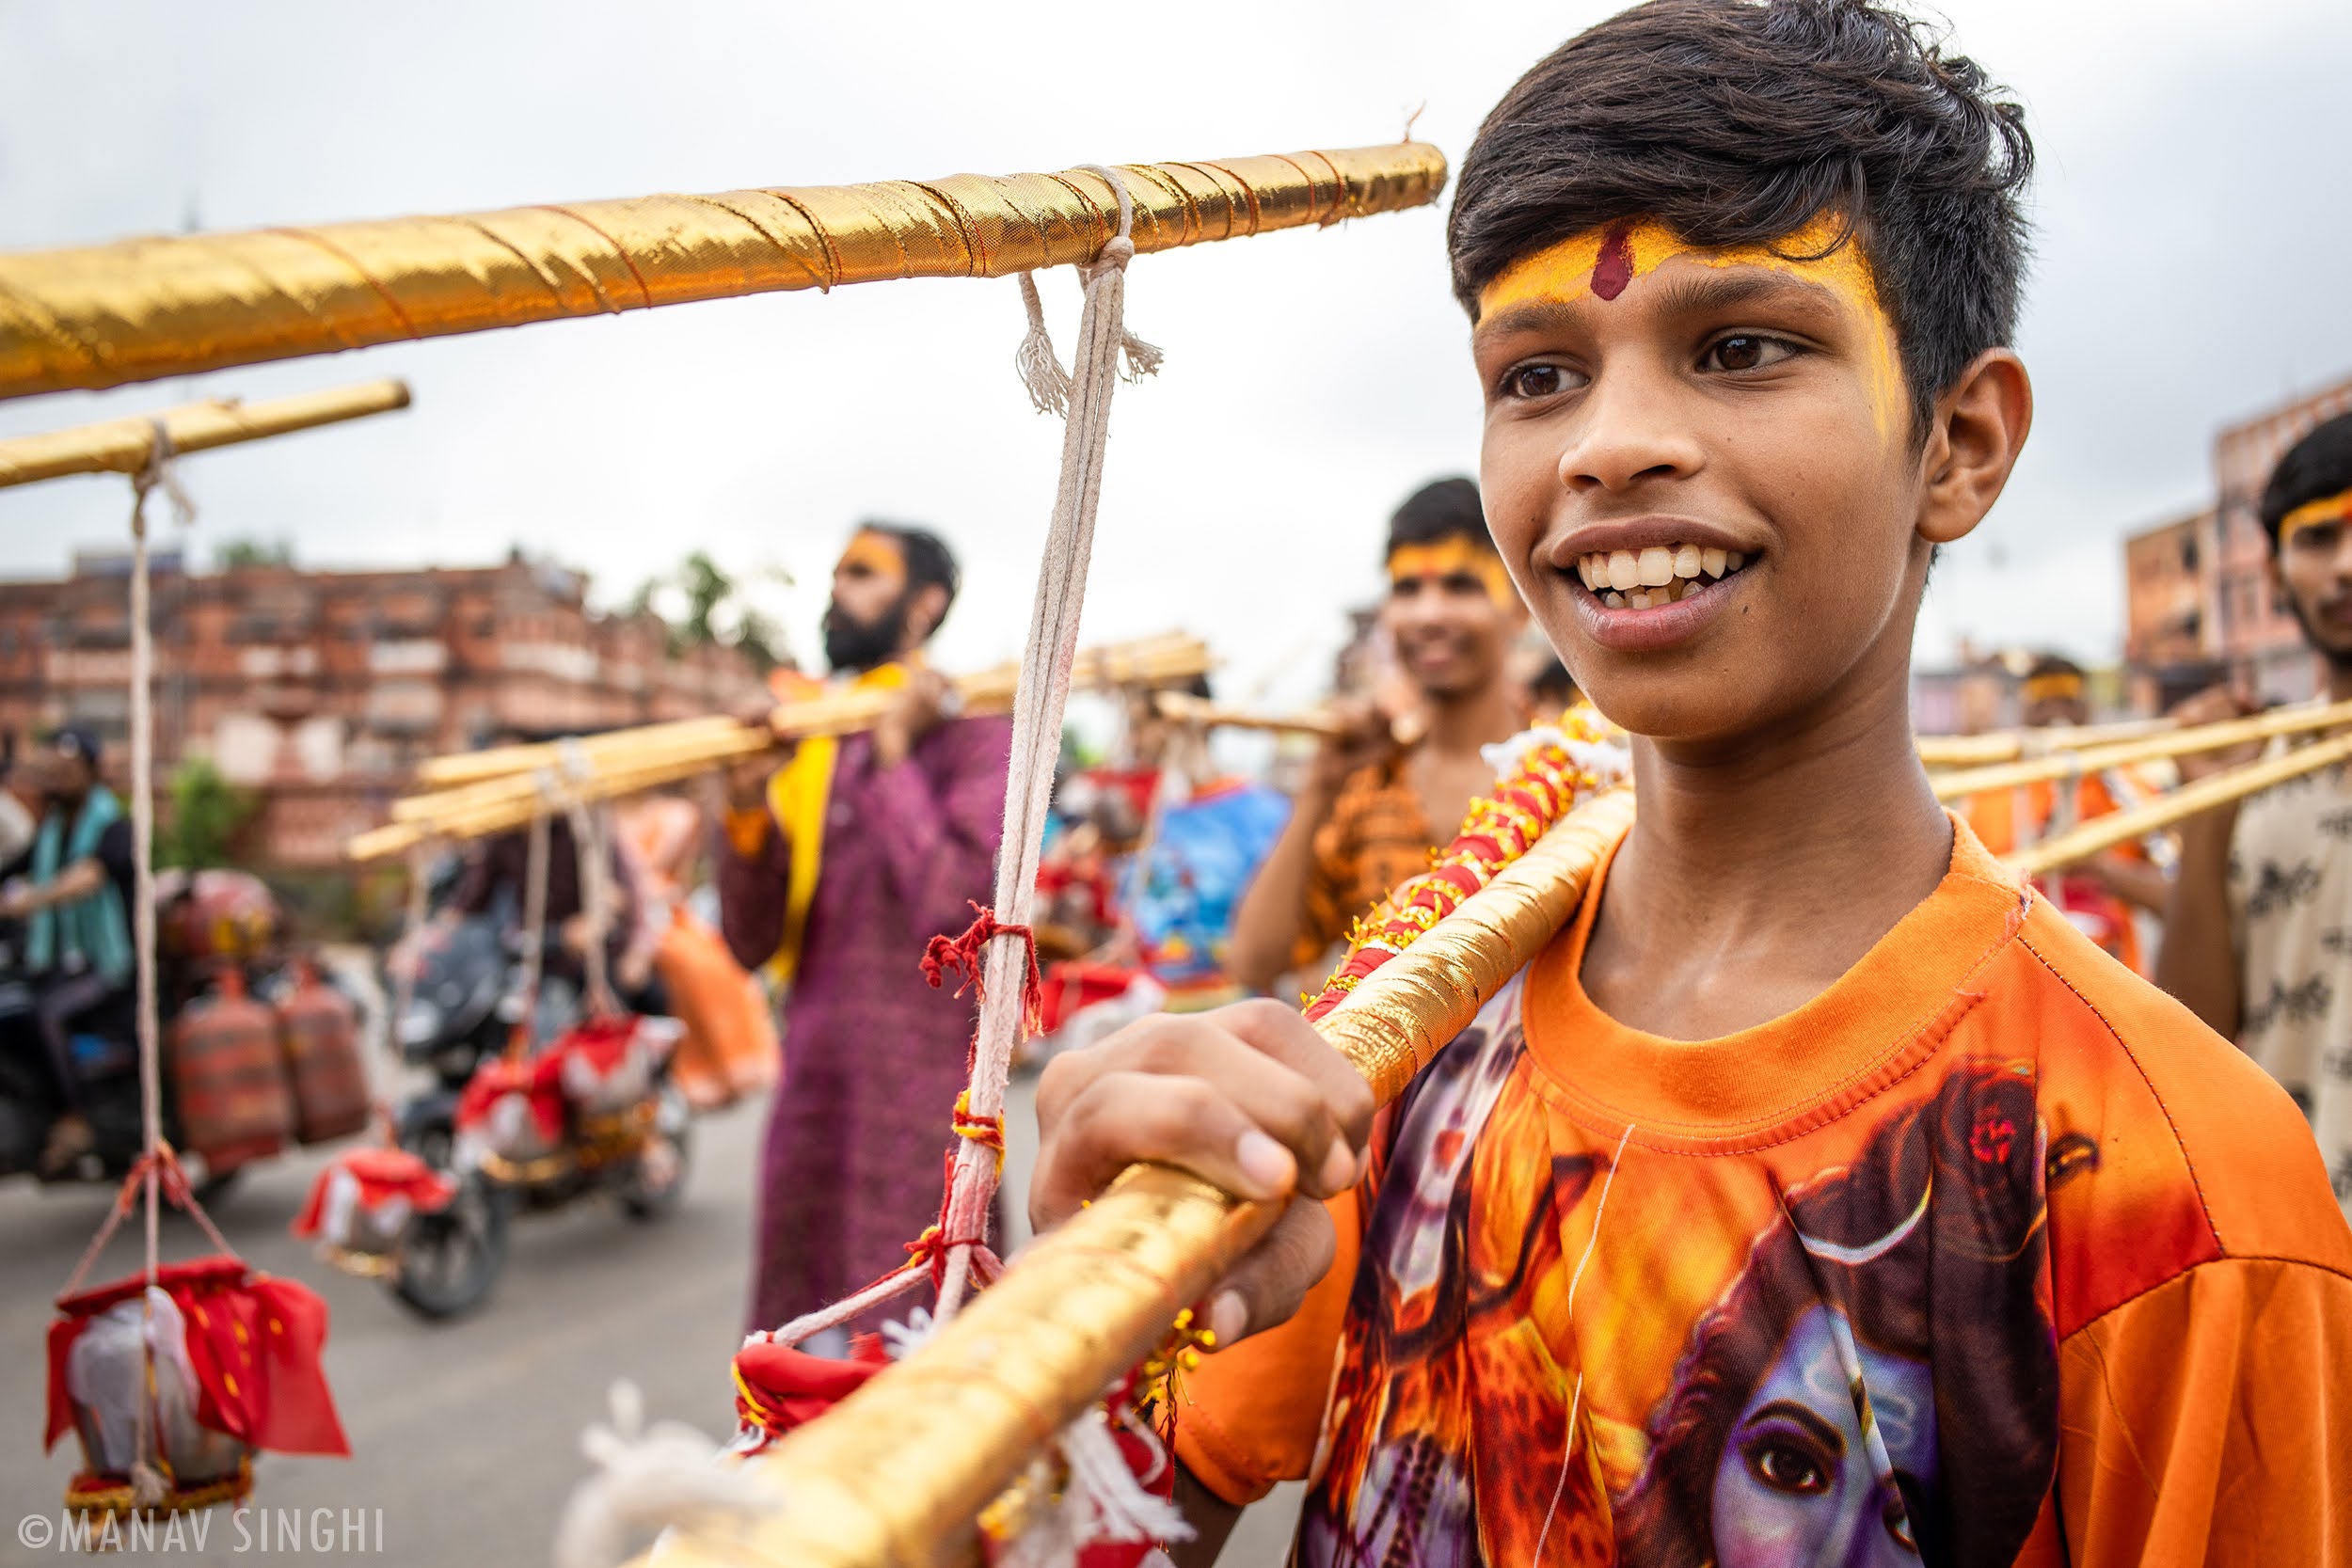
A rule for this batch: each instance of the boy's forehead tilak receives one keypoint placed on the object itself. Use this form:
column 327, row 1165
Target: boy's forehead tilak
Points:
column 1602, row 263
column 1444, row 558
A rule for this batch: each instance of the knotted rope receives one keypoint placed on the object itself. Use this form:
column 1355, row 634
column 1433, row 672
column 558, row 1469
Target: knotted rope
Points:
column 954, row 1252
column 1008, row 963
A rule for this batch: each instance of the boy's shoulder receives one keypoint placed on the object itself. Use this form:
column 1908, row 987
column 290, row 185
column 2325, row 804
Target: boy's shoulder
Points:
column 2168, row 1148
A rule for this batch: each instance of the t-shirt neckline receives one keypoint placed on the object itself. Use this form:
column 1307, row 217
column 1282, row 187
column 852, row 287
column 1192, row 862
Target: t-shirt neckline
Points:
column 1791, row 1073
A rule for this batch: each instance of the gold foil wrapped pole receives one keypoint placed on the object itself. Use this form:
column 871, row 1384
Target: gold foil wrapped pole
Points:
column 140, row 309
column 124, row 446
column 899, row 1472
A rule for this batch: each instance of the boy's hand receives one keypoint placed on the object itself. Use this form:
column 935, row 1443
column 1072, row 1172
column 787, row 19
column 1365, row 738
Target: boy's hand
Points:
column 1365, row 736
column 913, row 713
column 1248, row 1096
column 2212, row 706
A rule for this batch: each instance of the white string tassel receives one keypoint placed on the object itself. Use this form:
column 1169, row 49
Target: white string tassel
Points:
column 1041, row 370
column 1100, row 1500
column 645, row 1479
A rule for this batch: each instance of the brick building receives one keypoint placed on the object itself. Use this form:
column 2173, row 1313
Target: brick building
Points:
column 321, row 689
column 2198, row 588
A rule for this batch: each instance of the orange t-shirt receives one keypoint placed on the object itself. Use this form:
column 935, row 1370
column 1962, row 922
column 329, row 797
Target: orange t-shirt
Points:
column 2085, row 901
column 1990, row 1248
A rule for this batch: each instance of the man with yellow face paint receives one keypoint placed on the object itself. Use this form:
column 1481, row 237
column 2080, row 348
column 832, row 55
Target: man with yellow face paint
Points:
column 834, row 871
column 1372, row 807
column 2257, row 938
column 1820, row 1194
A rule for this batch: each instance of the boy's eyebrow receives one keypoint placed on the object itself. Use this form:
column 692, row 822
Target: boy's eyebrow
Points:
column 1712, row 288
column 1718, row 289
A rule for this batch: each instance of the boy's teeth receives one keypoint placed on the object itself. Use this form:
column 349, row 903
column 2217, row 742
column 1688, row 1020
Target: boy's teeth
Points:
column 1656, row 575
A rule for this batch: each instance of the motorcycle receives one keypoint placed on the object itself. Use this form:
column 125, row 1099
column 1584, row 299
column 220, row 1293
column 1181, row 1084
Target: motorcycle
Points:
column 465, row 1004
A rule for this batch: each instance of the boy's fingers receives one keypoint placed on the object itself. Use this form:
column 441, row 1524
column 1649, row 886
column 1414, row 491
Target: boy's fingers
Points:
column 1280, row 1032
column 1266, row 1286
column 1122, row 1117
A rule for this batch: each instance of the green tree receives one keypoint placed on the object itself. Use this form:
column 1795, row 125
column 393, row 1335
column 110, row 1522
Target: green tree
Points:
column 717, row 612
column 206, row 812
column 229, row 554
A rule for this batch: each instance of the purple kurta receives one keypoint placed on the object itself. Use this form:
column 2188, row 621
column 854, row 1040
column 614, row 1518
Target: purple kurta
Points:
column 874, row 1056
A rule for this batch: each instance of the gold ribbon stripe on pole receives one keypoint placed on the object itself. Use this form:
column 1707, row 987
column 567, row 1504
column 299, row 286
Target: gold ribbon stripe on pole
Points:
column 2204, row 795
column 140, row 309
column 897, row 1474
column 124, row 446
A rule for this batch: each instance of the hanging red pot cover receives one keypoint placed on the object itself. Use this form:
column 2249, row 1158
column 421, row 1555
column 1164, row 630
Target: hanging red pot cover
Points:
column 236, row 1369
column 778, row 1387
column 361, row 1202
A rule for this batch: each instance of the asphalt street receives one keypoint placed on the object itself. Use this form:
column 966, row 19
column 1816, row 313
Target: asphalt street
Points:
column 464, row 1434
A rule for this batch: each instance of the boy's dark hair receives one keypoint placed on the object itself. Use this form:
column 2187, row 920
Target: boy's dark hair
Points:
column 929, row 561
column 2054, row 664
column 1442, row 509
column 1738, row 123
column 2315, row 468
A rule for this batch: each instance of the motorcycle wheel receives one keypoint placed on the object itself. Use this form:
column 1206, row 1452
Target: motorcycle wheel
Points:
column 657, row 1177
column 450, row 1261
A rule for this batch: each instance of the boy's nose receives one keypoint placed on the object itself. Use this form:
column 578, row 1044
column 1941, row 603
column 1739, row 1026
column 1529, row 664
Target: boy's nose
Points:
column 1626, row 431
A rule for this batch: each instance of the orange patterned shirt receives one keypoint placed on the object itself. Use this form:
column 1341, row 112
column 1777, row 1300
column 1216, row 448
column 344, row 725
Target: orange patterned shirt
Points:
column 1376, row 838
column 1990, row 1254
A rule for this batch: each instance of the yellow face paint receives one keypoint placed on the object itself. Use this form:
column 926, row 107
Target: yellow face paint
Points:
column 2327, row 509
column 2051, row 688
column 875, row 554
column 1444, row 557
column 1605, row 262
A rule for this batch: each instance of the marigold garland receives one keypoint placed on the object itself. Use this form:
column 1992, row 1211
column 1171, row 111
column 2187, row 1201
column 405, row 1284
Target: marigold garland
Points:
column 1556, row 769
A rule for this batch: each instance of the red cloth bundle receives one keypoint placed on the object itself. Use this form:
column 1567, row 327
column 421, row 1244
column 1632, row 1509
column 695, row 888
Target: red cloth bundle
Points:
column 364, row 1197
column 252, row 1340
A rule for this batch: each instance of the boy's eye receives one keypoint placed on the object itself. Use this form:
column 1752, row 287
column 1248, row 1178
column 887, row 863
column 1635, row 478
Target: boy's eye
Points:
column 2319, row 538
column 1745, row 351
column 1532, row 382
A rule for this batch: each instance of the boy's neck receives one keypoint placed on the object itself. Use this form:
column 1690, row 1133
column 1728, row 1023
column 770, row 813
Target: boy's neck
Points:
column 1460, row 723
column 1761, row 870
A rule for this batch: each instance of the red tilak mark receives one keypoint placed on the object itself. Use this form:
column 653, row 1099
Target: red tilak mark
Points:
column 1615, row 268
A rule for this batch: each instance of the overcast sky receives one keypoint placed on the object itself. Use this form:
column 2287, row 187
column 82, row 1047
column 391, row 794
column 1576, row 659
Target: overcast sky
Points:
column 2193, row 233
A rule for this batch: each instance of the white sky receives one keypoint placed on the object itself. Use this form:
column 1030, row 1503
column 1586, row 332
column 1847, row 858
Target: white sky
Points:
column 2193, row 236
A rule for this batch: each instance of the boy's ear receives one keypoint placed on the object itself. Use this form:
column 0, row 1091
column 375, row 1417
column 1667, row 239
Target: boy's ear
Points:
column 1979, row 427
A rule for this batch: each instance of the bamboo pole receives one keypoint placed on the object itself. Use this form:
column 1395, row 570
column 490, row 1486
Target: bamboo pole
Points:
column 461, row 767
column 140, row 308
column 124, row 446
column 627, row 762
column 897, row 1474
column 1980, row 750
column 2171, row 742
column 1185, row 709
column 2188, row 800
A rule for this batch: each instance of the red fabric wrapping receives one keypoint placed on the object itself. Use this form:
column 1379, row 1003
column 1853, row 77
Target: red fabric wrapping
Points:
column 778, row 1387
column 538, row 1079
column 1076, row 984
column 383, row 1173
column 253, row 1340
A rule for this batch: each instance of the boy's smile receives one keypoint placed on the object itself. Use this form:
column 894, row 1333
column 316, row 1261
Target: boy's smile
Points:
column 1698, row 462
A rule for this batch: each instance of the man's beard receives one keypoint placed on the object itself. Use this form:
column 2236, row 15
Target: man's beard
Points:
column 854, row 645
column 2339, row 659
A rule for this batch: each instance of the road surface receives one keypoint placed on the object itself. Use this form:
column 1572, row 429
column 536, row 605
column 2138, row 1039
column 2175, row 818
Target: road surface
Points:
column 465, row 1434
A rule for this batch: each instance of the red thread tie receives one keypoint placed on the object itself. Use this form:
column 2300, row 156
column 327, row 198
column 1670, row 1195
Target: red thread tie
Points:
column 963, row 953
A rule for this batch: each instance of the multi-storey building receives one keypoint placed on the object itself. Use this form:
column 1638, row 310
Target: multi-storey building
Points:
column 321, row 689
column 2199, row 601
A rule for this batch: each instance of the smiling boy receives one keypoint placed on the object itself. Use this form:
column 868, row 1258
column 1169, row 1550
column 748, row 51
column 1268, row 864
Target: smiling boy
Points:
column 1820, row 1196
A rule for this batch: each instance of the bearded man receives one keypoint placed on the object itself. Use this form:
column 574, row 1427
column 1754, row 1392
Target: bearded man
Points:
column 834, row 872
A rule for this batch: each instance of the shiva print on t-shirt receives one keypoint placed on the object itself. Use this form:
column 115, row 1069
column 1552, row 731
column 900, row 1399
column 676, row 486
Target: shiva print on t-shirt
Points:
column 1866, row 1363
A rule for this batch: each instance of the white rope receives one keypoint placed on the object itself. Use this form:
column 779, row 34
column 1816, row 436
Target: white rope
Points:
column 645, row 1481
column 147, row 1484
column 1046, row 659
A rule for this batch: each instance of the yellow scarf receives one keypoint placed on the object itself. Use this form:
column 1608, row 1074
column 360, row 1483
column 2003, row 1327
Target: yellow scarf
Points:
column 798, row 793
